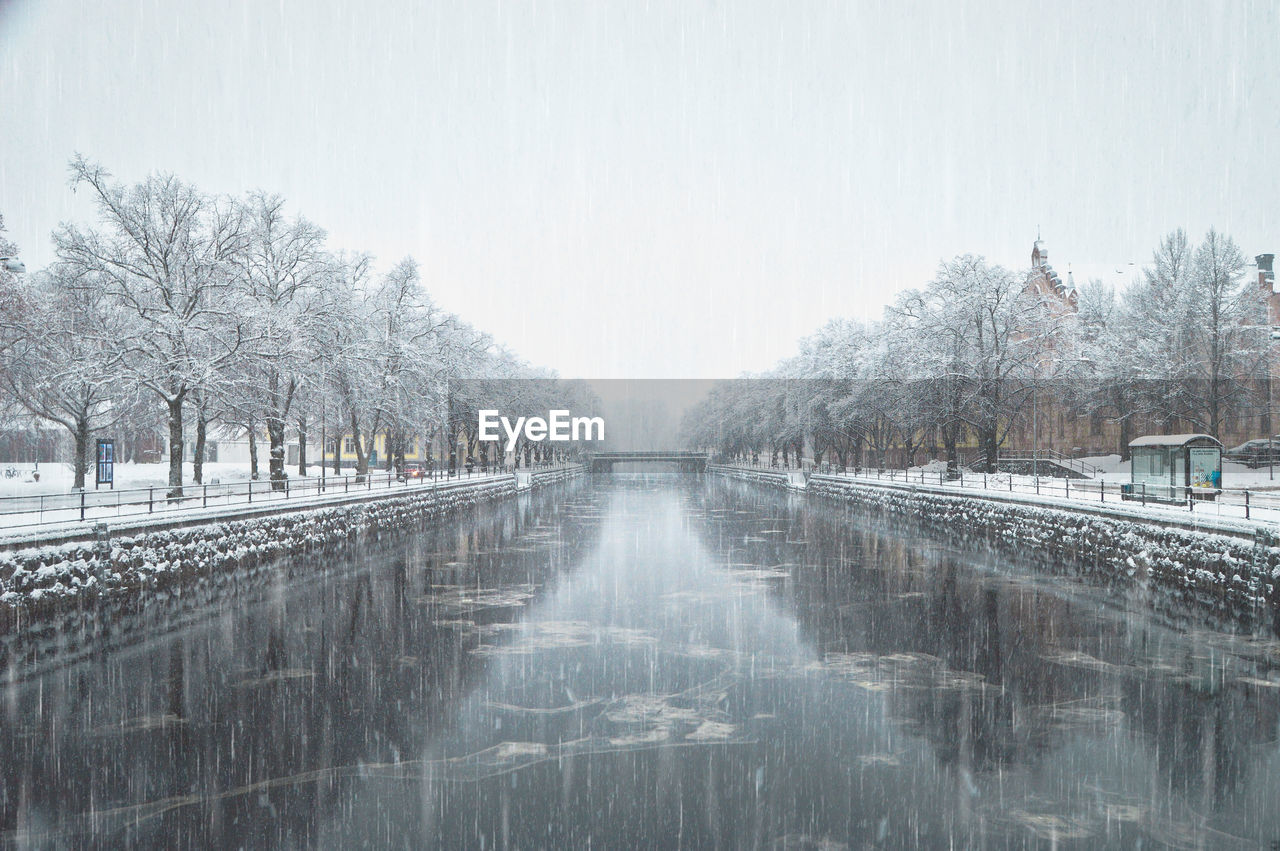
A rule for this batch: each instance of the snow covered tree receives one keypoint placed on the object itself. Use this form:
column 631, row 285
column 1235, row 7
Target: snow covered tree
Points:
column 983, row 335
column 1148, row 348
column 279, row 275
column 63, row 366
column 1192, row 335
column 165, row 251
column 13, row 306
column 1227, row 334
column 1098, row 381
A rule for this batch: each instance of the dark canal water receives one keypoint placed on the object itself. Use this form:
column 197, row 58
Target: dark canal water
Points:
column 663, row 664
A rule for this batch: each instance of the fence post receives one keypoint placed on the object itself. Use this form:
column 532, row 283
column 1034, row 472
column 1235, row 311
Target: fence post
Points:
column 962, row 478
column 1102, row 491
column 984, row 480
column 1246, row 505
column 1068, row 487
column 251, row 491
column 205, row 496
column 151, row 498
column 82, row 504
column 1144, row 494
column 286, row 488
column 346, row 484
column 1037, row 484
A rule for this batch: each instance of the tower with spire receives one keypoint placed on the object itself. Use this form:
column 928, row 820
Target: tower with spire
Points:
column 1045, row 280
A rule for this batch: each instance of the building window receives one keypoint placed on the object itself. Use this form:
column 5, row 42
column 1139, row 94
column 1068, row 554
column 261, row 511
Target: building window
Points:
column 348, row 446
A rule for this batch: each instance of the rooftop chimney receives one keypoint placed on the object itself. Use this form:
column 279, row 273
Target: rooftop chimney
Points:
column 1266, row 276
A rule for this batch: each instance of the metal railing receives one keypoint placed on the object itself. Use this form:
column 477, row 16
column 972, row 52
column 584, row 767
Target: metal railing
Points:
column 1044, row 456
column 1051, row 456
column 24, row 512
column 778, row 467
column 1239, row 503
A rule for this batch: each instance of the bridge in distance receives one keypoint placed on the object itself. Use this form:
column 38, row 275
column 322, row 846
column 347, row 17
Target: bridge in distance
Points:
column 687, row 461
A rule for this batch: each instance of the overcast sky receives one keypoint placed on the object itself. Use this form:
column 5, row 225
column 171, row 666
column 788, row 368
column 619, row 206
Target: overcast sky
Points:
column 665, row 189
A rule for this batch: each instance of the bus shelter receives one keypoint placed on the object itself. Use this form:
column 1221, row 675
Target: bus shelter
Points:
column 1176, row 467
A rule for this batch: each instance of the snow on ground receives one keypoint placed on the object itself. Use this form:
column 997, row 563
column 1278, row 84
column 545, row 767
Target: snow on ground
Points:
column 1108, row 466
column 1234, row 474
column 1229, row 506
column 57, row 478
column 141, row 491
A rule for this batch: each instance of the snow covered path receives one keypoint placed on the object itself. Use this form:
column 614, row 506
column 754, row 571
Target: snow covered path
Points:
column 45, row 516
column 1232, row 511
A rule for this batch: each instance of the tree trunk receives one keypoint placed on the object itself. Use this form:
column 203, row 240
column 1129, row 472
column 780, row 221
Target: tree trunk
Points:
column 175, row 445
column 253, row 450
column 362, row 451
column 82, row 452
column 302, row 447
column 1215, row 408
column 1266, row 411
column 275, row 460
column 197, row 458
column 989, row 442
column 949, row 439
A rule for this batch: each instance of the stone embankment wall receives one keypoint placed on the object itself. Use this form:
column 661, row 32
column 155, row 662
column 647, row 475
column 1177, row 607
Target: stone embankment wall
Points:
column 772, row 478
column 1222, row 579
column 542, row 478
column 42, row 581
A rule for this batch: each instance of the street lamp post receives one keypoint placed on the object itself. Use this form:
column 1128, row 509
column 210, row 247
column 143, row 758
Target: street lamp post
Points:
column 1035, row 436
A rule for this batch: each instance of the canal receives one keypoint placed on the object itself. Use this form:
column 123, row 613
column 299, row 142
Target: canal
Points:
column 650, row 662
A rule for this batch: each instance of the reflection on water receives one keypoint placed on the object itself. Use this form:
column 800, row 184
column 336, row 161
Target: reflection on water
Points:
column 660, row 664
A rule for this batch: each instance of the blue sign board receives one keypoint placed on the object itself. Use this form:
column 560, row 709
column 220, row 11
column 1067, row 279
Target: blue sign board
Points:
column 106, row 464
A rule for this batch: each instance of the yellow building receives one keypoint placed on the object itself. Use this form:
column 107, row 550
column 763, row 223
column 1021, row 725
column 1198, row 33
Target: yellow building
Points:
column 377, row 451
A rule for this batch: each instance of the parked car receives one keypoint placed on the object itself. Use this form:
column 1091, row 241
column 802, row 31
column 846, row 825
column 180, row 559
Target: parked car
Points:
column 1259, row 452
column 414, row 471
